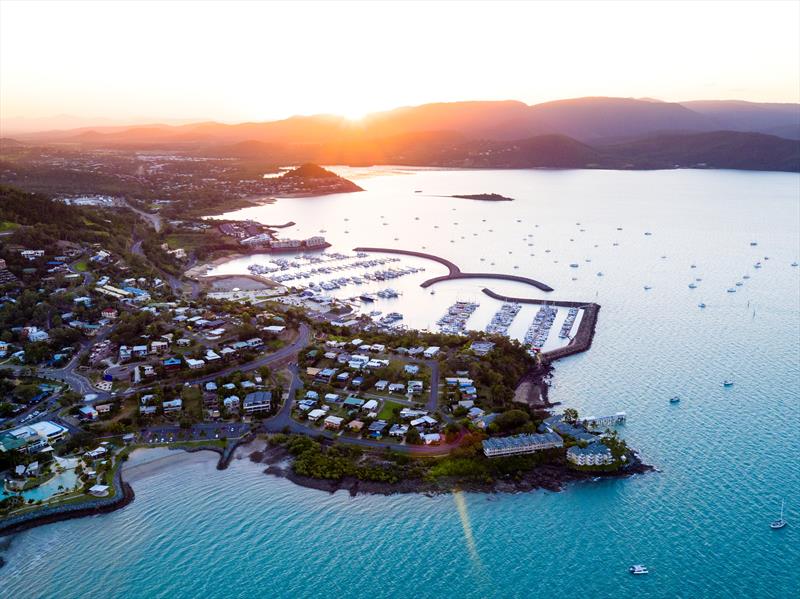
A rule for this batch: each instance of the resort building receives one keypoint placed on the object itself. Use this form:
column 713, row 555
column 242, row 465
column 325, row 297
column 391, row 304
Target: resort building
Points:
column 521, row 444
column 594, row 454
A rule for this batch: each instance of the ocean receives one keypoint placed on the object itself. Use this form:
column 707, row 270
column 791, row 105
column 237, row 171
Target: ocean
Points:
column 726, row 455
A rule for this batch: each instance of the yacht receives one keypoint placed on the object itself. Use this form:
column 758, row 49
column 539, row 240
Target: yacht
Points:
column 794, row 263
column 647, row 233
column 731, row 290
column 574, row 265
column 647, row 288
column 727, row 383
column 780, row 522
column 692, row 286
column 753, row 243
column 701, row 305
column 599, row 274
column 675, row 399
column 739, row 283
column 638, row 569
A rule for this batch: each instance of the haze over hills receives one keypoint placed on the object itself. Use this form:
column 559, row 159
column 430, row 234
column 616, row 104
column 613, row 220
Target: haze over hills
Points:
column 583, row 132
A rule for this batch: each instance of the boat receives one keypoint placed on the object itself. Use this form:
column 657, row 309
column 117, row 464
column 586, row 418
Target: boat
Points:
column 753, row 243
column 647, row 288
column 574, row 265
column 692, row 286
column 701, row 305
column 675, row 399
column 780, row 522
column 739, row 283
column 638, row 569
column 794, row 263
column 727, row 383
column 731, row 290
column 599, row 274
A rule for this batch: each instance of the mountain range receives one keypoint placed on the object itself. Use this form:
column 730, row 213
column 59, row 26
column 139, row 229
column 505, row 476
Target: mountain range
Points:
column 583, row 132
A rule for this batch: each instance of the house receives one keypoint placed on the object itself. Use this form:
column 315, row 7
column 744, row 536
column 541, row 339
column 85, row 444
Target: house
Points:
column 87, row 413
column 594, row 454
column 357, row 381
column 274, row 329
column 304, row 405
column 333, row 422
column 424, row 422
column 374, row 364
column 475, row 413
column 174, row 405
column 255, row 342
column 431, row 352
column 171, row 363
column 378, row 348
column 257, row 402
column 124, row 352
column 397, row 388
column 96, row 453
column 357, row 342
column 355, row 425
column 431, row 438
column 415, row 386
column 315, row 415
column 325, row 375
column 104, row 408
column 354, row 402
column 158, row 347
column 481, row 348
column 376, row 428
column 109, row 313
column 148, row 370
column 411, row 369
column 231, row 403
column 342, row 377
column 211, row 386
column 211, row 355
column 194, row 364
column 370, row 405
column 332, row 398
column 398, row 430
column 381, row 385
column 139, row 351
column 184, row 342
column 312, row 395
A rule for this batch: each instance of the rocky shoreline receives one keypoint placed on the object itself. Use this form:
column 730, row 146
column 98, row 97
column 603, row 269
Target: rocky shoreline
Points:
column 548, row 477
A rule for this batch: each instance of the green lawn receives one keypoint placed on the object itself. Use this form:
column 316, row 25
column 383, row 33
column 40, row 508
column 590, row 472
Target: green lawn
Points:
column 388, row 409
column 81, row 266
column 6, row 225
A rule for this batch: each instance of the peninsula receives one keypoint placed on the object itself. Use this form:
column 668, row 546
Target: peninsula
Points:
column 484, row 197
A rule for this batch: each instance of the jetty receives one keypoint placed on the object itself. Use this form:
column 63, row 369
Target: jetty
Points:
column 583, row 337
column 454, row 271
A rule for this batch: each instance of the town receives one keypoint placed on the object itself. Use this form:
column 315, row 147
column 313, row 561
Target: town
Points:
column 111, row 341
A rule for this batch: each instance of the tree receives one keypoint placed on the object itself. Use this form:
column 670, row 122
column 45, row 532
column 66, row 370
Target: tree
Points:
column 570, row 415
column 413, row 437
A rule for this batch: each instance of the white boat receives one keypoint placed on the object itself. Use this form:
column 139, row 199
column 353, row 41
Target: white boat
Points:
column 794, row 263
column 780, row 522
column 727, row 383
column 731, row 290
column 674, row 399
column 739, row 283
column 692, row 286
column 647, row 288
column 638, row 569
column 701, row 305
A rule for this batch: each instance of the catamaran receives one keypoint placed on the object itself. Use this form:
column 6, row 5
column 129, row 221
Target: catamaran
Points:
column 638, row 569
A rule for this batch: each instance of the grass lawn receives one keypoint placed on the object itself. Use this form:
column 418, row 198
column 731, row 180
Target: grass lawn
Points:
column 81, row 266
column 388, row 409
column 6, row 225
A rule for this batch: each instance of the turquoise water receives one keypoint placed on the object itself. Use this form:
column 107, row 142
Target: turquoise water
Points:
column 727, row 455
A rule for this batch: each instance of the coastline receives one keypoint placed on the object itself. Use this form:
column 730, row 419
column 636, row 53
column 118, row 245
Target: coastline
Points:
column 547, row 477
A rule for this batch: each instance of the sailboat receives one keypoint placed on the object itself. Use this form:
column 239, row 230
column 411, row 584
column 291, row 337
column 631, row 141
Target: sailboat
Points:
column 780, row 522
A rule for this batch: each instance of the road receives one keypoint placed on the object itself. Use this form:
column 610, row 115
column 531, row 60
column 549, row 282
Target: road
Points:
column 284, row 353
column 153, row 219
column 283, row 421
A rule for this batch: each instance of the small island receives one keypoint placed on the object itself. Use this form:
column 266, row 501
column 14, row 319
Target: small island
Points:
column 484, row 197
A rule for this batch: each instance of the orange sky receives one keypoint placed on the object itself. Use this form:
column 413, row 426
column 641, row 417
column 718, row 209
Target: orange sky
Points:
column 256, row 61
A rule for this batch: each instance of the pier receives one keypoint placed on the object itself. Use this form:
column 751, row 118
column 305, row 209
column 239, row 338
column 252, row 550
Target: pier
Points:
column 583, row 337
column 454, row 271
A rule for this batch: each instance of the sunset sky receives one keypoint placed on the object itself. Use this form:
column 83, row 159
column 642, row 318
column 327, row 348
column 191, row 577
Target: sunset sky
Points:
column 258, row 61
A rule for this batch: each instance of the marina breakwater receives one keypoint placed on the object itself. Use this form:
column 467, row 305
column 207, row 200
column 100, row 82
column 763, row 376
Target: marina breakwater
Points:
column 57, row 513
column 454, row 271
column 582, row 339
